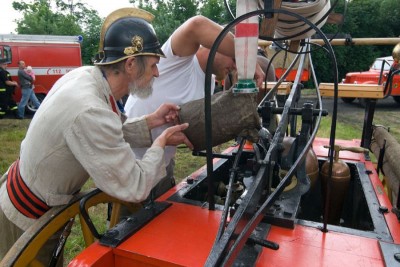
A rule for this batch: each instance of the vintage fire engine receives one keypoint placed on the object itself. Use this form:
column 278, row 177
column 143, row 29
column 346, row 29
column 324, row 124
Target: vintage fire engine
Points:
column 289, row 199
column 50, row 57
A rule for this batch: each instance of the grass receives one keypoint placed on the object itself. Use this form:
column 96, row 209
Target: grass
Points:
column 343, row 131
column 13, row 131
column 11, row 134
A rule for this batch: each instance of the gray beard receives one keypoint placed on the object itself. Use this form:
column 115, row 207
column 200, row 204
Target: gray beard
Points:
column 141, row 92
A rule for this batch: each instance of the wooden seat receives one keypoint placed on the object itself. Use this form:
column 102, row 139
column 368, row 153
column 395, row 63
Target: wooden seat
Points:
column 283, row 88
column 374, row 91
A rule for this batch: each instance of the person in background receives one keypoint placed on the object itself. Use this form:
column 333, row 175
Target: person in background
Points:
column 78, row 132
column 26, row 82
column 7, row 87
column 182, row 77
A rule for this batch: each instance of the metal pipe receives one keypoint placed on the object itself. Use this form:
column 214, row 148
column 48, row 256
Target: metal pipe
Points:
column 351, row 41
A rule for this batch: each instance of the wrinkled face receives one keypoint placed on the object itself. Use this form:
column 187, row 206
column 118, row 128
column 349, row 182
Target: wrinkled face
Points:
column 142, row 85
column 222, row 66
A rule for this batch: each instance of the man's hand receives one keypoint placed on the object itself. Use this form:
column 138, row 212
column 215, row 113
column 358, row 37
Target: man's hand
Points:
column 259, row 76
column 166, row 113
column 173, row 136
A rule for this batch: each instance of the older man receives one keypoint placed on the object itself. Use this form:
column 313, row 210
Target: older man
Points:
column 78, row 132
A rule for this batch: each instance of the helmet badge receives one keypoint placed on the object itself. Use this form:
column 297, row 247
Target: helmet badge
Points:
column 137, row 46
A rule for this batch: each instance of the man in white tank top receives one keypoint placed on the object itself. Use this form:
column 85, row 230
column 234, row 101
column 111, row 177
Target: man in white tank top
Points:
column 182, row 77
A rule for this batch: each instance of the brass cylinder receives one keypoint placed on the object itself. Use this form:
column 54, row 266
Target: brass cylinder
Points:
column 339, row 183
column 312, row 166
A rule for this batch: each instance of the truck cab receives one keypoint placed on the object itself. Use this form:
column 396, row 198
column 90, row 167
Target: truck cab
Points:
column 5, row 52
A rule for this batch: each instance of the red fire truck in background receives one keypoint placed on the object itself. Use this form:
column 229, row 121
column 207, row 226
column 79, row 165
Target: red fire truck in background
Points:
column 377, row 74
column 50, row 56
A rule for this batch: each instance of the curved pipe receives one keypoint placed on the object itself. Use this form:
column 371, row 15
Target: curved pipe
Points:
column 220, row 248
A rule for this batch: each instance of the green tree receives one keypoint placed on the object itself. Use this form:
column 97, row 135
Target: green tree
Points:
column 60, row 18
column 169, row 15
column 362, row 16
column 217, row 11
column 363, row 19
column 369, row 18
column 181, row 10
column 40, row 19
column 90, row 23
column 389, row 17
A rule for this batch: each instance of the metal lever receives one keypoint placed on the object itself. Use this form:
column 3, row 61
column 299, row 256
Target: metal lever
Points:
column 262, row 242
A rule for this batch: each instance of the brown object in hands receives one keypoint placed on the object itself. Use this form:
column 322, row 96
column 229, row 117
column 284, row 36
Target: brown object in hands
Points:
column 232, row 115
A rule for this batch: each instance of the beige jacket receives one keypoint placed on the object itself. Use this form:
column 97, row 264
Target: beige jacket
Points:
column 75, row 135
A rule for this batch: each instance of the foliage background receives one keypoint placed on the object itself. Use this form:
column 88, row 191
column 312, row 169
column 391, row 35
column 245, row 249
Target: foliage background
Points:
column 363, row 18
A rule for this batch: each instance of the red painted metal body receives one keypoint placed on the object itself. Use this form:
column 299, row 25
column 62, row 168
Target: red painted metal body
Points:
column 305, row 75
column 183, row 235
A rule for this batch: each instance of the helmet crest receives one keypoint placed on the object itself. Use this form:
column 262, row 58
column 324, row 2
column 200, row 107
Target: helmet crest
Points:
column 127, row 32
column 137, row 46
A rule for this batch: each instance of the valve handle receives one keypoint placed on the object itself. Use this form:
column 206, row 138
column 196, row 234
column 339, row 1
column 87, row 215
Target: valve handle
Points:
column 354, row 149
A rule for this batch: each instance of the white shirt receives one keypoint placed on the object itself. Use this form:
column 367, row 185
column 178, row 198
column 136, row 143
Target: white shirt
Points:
column 181, row 80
